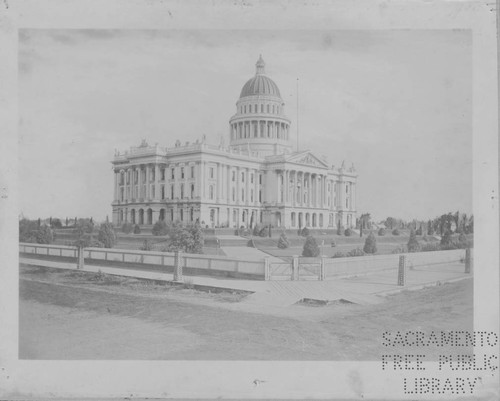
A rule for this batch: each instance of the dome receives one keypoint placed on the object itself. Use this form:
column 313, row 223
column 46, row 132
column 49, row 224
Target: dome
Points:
column 260, row 84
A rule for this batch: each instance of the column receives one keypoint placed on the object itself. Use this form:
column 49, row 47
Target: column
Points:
column 286, row 195
column 116, row 197
column 309, row 198
column 238, row 188
column 219, row 182
column 157, row 182
column 148, row 178
column 202, row 180
column 139, row 181
column 228, row 181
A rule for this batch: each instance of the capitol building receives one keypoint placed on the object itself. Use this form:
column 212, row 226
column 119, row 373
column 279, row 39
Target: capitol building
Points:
column 257, row 178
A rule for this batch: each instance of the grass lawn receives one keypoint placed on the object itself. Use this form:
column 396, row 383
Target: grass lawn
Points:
column 74, row 315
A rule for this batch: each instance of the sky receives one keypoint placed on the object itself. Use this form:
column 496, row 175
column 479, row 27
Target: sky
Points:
column 397, row 104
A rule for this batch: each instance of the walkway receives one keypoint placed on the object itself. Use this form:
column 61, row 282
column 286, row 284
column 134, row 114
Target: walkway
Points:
column 363, row 290
column 248, row 253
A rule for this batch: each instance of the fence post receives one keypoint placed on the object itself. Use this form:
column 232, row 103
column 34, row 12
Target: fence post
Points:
column 402, row 270
column 177, row 266
column 81, row 261
column 322, row 272
column 295, row 268
column 267, row 273
column 467, row 261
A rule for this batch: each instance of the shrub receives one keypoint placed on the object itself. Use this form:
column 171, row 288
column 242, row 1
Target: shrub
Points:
column 30, row 231
column 370, row 244
column 127, row 228
column 400, row 249
column 381, row 232
column 44, row 235
column 263, row 232
column 339, row 255
column 256, row 230
column 137, row 229
column 106, row 235
column 160, row 228
column 283, row 242
column 340, row 231
column 146, row 246
column 413, row 244
column 355, row 252
column 395, row 232
column 430, row 247
column 311, row 248
column 419, row 231
column 56, row 223
column 348, row 232
column 95, row 243
column 305, row 232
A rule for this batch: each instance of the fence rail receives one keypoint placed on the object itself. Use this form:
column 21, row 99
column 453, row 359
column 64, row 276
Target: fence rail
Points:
column 194, row 264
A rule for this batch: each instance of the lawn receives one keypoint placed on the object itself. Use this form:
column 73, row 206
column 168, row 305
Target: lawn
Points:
column 74, row 315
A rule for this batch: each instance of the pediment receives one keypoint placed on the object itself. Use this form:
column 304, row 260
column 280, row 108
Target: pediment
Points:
column 306, row 158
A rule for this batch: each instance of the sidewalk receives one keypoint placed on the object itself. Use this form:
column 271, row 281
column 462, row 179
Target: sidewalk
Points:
column 364, row 290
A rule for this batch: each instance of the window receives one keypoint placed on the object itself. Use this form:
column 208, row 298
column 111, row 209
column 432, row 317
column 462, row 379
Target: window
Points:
column 262, row 108
column 153, row 172
column 234, row 175
column 171, row 214
column 152, row 191
column 347, row 203
column 171, row 192
column 234, row 194
column 182, row 215
column 192, row 171
column 346, row 189
column 260, row 196
column 267, row 108
column 163, row 191
column 242, row 176
column 251, row 195
column 251, row 178
column 260, row 179
column 243, row 195
column 211, row 172
column 182, row 172
column 182, row 191
column 192, row 190
column 191, row 214
column 172, row 176
column 211, row 192
column 162, row 174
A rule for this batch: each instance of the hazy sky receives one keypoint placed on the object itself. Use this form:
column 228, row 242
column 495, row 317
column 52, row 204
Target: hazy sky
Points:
column 396, row 103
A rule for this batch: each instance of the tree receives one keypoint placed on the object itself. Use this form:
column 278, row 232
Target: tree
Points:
column 160, row 228
column 55, row 223
column 127, row 228
column 311, row 248
column 107, row 235
column 197, row 236
column 305, row 232
column 430, row 231
column 370, row 244
column 187, row 239
column 446, row 239
column 348, row 232
column 413, row 244
column 381, row 232
column 390, row 222
column 283, row 242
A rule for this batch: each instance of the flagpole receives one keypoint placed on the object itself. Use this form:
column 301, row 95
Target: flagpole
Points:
column 297, row 114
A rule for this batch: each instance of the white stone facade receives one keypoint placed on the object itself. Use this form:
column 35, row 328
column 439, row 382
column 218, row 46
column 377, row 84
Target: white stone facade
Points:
column 257, row 179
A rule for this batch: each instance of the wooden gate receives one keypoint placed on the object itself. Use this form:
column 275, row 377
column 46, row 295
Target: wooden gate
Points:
column 280, row 271
column 309, row 269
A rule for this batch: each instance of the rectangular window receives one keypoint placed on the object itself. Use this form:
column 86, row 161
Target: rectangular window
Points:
column 163, row 191
column 234, row 176
column 182, row 172
column 172, row 174
column 163, row 174
column 242, row 176
column 211, row 172
column 171, row 192
column 251, row 178
column 260, row 179
column 192, row 171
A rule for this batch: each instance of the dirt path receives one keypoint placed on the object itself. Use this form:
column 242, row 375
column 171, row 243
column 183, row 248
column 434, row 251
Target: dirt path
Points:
column 108, row 321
